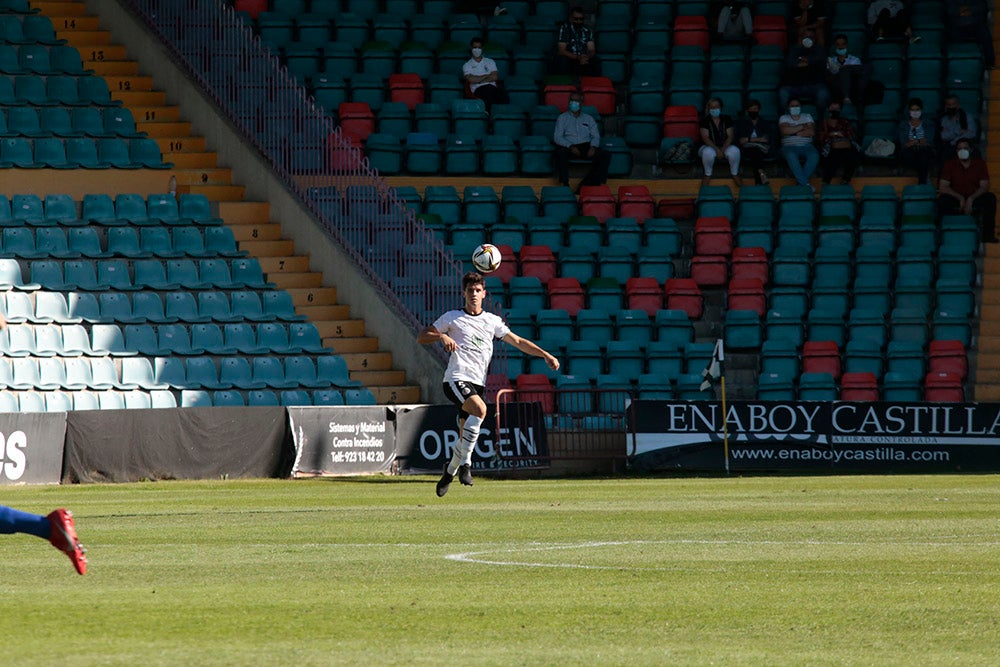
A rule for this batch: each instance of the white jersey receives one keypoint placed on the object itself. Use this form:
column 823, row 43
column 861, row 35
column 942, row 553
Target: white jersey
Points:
column 474, row 335
column 479, row 68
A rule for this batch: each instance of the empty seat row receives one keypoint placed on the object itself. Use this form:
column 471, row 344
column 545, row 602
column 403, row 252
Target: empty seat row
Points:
column 151, row 274
column 55, row 90
column 59, row 121
column 93, row 242
column 73, row 340
column 42, row 307
column 82, row 153
column 101, row 209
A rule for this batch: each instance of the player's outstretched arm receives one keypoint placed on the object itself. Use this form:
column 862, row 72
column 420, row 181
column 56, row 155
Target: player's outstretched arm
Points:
column 528, row 347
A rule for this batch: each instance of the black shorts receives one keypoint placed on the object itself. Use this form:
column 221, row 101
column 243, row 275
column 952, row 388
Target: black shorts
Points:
column 459, row 391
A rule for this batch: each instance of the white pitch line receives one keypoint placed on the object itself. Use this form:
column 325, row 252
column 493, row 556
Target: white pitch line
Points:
column 474, row 557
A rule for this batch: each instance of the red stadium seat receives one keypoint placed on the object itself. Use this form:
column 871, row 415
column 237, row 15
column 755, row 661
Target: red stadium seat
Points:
column 508, row 265
column 538, row 261
column 750, row 263
column 494, row 383
column 406, row 88
column 565, row 293
column 557, row 95
column 943, row 388
column 635, row 201
column 771, row 30
column 710, row 270
column 948, row 356
column 859, row 387
column 682, row 121
column 747, row 294
column 713, row 236
column 644, row 294
column 598, row 201
column 691, row 31
column 251, row 7
column 356, row 119
column 344, row 152
column 679, row 208
column 684, row 294
column 599, row 92
column 821, row 356
column 536, row 388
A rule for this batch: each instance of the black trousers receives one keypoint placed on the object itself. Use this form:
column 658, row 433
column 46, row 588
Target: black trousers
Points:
column 600, row 162
column 840, row 158
column 984, row 207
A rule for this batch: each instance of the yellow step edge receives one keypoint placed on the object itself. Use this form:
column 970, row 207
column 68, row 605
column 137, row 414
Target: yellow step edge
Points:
column 379, row 378
column 219, row 192
column 278, row 265
column 245, row 212
column 70, row 22
column 313, row 296
column 279, row 248
column 392, row 395
column 369, row 361
column 103, row 53
column 331, row 312
column 156, row 113
column 296, row 280
column 88, row 38
column 340, row 328
column 57, row 8
column 181, row 145
column 130, row 84
column 165, row 130
column 107, row 68
column 250, row 232
column 140, row 97
column 216, row 176
column 192, row 160
column 348, row 345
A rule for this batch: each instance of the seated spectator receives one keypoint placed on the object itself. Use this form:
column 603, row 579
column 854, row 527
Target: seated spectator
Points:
column 968, row 20
column 717, row 142
column 890, row 19
column 846, row 73
column 838, row 145
column 480, row 7
column 482, row 76
column 916, row 139
column 805, row 74
column 965, row 188
column 576, row 52
column 735, row 22
column 797, row 132
column 953, row 125
column 756, row 139
column 577, row 137
column 808, row 16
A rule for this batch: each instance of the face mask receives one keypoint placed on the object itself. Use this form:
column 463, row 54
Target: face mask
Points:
column 834, row 113
column 915, row 114
column 477, row 52
column 715, row 113
column 574, row 106
column 952, row 111
column 753, row 115
column 795, row 111
column 808, row 43
column 963, row 154
column 841, row 52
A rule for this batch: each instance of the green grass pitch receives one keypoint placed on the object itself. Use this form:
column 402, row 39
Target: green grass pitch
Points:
column 898, row 570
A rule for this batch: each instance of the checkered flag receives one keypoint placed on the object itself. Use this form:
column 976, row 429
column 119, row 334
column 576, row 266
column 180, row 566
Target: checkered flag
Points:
column 714, row 369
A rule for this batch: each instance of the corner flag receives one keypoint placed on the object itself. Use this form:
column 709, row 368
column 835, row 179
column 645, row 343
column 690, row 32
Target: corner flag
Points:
column 714, row 370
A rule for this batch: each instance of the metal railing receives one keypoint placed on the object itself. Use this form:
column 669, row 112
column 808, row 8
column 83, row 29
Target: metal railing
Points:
column 308, row 152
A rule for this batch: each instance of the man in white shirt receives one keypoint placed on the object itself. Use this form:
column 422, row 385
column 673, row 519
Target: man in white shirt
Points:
column 468, row 335
column 797, row 132
column 577, row 137
column 482, row 76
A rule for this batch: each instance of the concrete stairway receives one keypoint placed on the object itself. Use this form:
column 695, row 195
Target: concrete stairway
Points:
column 197, row 171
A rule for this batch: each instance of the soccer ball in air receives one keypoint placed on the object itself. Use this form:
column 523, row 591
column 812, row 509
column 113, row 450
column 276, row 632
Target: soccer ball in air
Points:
column 486, row 258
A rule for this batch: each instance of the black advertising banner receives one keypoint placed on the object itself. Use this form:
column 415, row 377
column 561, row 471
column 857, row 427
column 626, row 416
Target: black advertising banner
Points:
column 176, row 443
column 426, row 437
column 31, row 447
column 342, row 440
column 816, row 436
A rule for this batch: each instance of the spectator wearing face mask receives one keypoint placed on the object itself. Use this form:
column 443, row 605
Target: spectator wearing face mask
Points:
column 964, row 187
column 838, row 145
column 846, row 73
column 954, row 124
column 577, row 137
column 717, row 142
column 808, row 16
column 916, row 140
column 804, row 76
column 797, row 132
column 755, row 137
column 482, row 76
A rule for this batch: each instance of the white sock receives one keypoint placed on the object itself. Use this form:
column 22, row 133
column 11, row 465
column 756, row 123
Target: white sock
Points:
column 463, row 450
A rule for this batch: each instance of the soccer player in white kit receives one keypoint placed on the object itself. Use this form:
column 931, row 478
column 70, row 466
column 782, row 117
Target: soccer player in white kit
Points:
column 468, row 335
